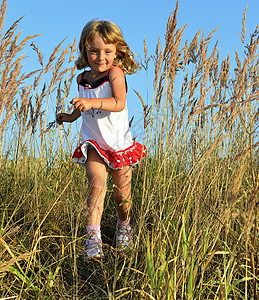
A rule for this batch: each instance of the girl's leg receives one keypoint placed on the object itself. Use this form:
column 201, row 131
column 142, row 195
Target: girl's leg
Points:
column 122, row 197
column 122, row 191
column 96, row 171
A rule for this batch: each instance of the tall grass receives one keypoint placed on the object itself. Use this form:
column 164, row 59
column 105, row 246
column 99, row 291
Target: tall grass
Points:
column 195, row 212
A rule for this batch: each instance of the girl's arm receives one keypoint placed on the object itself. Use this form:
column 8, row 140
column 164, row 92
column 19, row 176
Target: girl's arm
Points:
column 115, row 103
column 63, row 117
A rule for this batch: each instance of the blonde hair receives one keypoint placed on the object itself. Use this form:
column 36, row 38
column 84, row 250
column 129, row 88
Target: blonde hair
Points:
column 111, row 34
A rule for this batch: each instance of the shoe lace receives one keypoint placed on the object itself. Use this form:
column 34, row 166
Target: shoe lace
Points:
column 123, row 233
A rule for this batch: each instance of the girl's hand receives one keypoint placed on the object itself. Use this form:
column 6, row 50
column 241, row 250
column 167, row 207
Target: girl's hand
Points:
column 82, row 104
column 63, row 117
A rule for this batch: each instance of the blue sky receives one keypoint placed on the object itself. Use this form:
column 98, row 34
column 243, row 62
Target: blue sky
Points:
column 58, row 19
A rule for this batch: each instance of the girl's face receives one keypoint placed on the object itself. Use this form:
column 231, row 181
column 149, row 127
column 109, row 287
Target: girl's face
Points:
column 100, row 55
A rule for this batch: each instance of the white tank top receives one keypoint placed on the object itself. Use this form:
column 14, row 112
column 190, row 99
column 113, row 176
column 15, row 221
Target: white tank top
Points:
column 110, row 130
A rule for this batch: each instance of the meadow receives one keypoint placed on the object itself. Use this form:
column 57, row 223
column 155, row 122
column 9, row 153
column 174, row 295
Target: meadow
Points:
column 195, row 209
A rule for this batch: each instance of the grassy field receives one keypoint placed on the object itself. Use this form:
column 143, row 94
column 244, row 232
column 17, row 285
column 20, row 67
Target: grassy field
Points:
column 195, row 209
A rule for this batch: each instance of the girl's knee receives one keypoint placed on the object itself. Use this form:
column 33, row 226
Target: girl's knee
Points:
column 97, row 183
column 97, row 190
column 96, row 170
column 122, row 177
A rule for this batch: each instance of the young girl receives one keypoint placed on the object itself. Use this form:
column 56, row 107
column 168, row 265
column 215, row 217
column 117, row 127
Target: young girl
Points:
column 106, row 140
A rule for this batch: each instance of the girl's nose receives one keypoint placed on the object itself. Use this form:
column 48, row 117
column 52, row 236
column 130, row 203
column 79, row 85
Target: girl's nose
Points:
column 101, row 56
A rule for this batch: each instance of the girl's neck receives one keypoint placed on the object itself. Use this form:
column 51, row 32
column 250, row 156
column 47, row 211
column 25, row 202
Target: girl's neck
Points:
column 92, row 76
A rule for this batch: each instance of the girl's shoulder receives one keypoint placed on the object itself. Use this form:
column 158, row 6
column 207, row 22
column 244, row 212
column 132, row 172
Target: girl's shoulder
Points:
column 115, row 72
column 116, row 69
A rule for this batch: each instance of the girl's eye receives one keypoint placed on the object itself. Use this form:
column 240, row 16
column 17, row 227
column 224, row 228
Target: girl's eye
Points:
column 93, row 51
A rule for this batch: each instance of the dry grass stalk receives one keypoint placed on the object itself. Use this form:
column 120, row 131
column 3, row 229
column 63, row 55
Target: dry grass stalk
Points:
column 208, row 83
column 243, row 32
column 39, row 53
column 157, row 59
column 2, row 16
column 146, row 111
column 10, row 73
column 4, row 267
column 52, row 57
column 29, row 108
column 147, row 59
column 73, row 49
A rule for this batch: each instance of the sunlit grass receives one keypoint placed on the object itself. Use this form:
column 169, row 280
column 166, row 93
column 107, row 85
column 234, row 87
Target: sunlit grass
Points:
column 195, row 196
